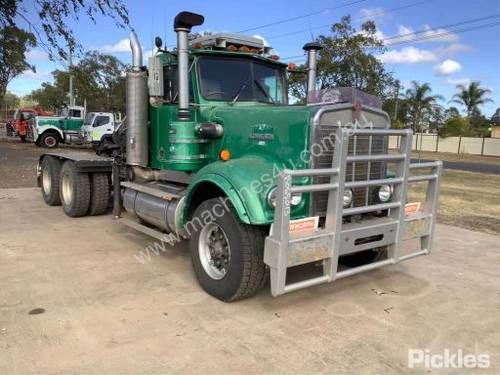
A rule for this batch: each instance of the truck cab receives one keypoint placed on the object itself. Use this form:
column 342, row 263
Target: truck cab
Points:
column 98, row 126
column 19, row 121
column 49, row 131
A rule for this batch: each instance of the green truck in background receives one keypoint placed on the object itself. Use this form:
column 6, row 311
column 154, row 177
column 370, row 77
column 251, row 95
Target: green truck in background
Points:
column 211, row 151
column 49, row 131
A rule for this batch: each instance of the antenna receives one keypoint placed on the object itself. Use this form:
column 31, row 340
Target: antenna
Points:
column 71, row 93
column 310, row 29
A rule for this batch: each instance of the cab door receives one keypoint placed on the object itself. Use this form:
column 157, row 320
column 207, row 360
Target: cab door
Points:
column 102, row 125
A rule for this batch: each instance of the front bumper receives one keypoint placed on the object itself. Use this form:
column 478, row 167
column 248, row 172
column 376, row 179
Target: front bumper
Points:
column 283, row 250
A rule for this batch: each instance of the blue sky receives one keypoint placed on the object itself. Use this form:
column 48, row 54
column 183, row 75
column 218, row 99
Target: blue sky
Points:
column 457, row 55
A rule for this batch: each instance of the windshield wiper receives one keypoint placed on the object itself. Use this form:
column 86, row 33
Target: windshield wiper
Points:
column 243, row 86
column 266, row 94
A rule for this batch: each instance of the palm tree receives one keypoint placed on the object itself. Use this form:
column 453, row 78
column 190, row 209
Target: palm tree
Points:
column 420, row 102
column 471, row 96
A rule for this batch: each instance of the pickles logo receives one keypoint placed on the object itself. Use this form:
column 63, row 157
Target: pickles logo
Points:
column 448, row 359
column 262, row 133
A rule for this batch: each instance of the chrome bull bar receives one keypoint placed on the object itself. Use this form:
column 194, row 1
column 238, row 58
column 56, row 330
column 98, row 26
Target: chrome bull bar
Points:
column 284, row 250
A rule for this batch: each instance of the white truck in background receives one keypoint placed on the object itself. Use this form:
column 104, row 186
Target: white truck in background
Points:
column 98, row 127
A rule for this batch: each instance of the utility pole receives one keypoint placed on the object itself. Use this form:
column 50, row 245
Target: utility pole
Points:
column 396, row 102
column 71, row 93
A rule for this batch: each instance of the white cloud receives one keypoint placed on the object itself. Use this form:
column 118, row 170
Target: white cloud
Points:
column 426, row 34
column 453, row 49
column 120, row 46
column 371, row 13
column 447, row 67
column 413, row 55
column 408, row 55
column 36, row 54
column 458, row 81
column 39, row 75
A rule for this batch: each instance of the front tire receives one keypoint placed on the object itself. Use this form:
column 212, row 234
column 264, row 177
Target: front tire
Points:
column 75, row 190
column 227, row 255
column 49, row 140
column 51, row 170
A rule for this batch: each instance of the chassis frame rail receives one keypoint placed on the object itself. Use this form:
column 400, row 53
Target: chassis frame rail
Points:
column 283, row 250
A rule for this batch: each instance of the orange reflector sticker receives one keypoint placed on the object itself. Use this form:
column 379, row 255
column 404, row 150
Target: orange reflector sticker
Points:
column 307, row 225
column 412, row 208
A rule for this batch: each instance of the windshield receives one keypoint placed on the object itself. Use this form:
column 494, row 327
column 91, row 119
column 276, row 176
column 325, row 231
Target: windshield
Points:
column 88, row 118
column 233, row 79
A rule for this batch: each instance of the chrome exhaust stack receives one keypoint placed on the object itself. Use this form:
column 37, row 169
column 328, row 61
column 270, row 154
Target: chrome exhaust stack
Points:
column 312, row 59
column 183, row 23
column 137, row 108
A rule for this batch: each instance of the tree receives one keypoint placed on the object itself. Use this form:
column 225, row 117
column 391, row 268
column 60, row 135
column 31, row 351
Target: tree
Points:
column 420, row 103
column 14, row 43
column 98, row 79
column 51, row 20
column 10, row 100
column 451, row 112
column 455, row 127
column 347, row 59
column 471, row 96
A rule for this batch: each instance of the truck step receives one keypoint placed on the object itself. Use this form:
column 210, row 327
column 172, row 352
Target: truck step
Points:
column 131, row 223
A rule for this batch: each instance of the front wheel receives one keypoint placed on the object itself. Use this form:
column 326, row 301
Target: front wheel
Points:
column 49, row 140
column 227, row 255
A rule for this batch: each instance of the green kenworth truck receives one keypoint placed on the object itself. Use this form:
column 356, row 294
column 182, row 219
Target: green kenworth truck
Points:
column 212, row 152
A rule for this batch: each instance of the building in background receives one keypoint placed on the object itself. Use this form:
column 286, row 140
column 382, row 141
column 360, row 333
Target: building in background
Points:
column 495, row 124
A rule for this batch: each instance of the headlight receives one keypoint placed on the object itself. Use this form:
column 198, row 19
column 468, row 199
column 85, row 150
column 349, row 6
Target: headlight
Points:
column 385, row 193
column 295, row 199
column 347, row 197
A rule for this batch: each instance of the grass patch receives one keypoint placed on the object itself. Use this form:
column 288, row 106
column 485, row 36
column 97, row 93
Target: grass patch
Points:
column 467, row 200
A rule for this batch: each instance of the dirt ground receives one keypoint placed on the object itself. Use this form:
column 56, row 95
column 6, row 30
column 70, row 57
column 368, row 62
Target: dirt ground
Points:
column 74, row 300
column 18, row 163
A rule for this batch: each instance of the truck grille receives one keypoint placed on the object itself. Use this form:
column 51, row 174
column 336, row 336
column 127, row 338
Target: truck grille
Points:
column 358, row 145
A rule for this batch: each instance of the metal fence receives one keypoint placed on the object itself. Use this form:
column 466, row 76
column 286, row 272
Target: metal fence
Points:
column 457, row 145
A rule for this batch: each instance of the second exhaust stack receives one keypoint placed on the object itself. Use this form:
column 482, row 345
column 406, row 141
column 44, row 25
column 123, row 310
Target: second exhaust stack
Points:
column 312, row 57
column 183, row 23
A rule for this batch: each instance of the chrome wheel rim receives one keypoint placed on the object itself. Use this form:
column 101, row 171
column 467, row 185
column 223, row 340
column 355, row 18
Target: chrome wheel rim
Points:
column 67, row 187
column 214, row 251
column 46, row 182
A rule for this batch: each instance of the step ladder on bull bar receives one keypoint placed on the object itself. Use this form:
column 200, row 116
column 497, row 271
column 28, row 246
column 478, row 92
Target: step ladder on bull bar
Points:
column 283, row 250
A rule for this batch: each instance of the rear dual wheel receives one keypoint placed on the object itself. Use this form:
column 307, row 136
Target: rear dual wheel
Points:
column 50, row 173
column 79, row 193
column 83, row 193
column 74, row 190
